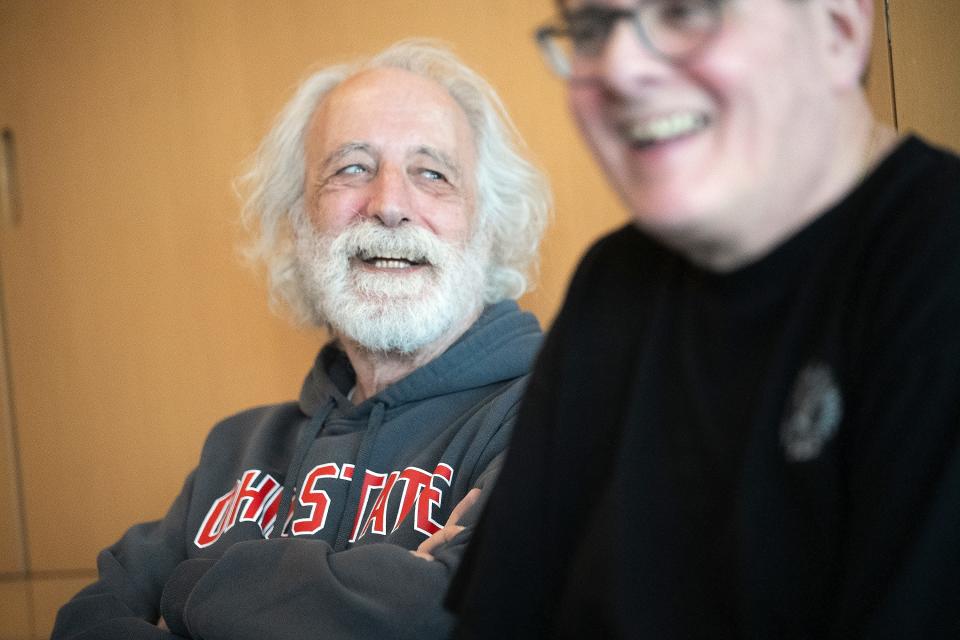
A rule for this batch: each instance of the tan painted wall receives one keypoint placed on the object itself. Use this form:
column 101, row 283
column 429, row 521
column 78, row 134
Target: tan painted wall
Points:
column 132, row 325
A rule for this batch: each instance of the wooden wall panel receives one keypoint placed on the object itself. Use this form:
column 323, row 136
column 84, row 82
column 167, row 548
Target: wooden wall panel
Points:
column 12, row 559
column 120, row 276
column 15, row 621
column 925, row 39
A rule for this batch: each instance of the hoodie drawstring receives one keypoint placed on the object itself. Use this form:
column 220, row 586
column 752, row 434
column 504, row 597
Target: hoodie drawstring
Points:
column 359, row 472
column 296, row 466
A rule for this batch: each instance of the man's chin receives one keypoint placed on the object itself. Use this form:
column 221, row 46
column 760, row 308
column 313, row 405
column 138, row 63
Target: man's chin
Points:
column 390, row 324
column 391, row 343
column 377, row 303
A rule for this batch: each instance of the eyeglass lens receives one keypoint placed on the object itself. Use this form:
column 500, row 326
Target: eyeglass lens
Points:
column 670, row 28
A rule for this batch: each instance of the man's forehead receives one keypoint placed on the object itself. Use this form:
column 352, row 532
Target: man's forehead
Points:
column 391, row 91
column 390, row 107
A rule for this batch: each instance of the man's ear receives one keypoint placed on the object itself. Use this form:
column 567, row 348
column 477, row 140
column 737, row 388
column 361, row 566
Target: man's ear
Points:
column 849, row 27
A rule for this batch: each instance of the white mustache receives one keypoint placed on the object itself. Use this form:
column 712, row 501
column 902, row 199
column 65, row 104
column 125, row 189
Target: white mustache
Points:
column 369, row 240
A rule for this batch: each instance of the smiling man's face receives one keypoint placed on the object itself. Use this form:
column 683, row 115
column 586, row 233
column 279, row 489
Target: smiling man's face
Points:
column 388, row 250
column 709, row 146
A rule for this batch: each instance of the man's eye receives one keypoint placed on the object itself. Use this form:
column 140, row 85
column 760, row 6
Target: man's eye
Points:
column 588, row 29
column 352, row 169
column 430, row 174
column 685, row 14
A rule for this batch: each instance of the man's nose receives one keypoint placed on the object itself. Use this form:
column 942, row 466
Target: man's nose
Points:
column 390, row 198
column 627, row 64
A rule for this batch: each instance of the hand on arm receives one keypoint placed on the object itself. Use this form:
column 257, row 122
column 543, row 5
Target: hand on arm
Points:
column 450, row 529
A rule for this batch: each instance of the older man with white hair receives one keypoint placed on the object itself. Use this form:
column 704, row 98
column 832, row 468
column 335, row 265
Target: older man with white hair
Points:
column 393, row 207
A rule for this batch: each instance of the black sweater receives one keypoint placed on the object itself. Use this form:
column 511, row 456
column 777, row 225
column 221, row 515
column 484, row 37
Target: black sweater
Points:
column 768, row 453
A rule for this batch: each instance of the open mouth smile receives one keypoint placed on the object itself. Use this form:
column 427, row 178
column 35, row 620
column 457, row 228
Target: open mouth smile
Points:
column 648, row 132
column 387, row 261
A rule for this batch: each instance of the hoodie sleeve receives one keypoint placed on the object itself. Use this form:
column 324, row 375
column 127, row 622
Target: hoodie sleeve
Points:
column 296, row 588
column 124, row 601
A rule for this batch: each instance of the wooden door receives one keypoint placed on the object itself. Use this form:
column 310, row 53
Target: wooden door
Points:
column 925, row 67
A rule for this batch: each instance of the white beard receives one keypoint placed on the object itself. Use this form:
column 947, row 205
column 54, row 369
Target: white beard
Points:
column 383, row 311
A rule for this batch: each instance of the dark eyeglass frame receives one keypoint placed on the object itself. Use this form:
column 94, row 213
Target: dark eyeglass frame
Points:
column 559, row 62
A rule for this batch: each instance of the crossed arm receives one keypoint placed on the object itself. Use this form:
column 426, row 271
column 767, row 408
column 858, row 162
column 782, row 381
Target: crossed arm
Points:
column 433, row 544
column 303, row 586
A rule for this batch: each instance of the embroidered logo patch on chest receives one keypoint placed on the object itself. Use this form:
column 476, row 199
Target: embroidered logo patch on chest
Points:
column 813, row 415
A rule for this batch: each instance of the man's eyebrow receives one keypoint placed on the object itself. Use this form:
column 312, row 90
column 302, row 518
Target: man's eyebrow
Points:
column 344, row 150
column 448, row 163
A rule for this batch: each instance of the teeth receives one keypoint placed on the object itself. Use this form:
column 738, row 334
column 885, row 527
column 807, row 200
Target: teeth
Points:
column 390, row 259
column 389, row 263
column 659, row 129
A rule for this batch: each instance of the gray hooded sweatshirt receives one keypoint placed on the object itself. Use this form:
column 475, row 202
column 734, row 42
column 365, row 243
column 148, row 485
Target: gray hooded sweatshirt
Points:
column 362, row 486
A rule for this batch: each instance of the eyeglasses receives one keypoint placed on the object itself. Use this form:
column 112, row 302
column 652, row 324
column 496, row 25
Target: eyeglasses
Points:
column 671, row 29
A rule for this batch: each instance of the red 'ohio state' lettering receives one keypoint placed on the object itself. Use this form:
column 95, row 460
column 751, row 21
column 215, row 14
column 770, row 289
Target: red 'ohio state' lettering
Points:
column 259, row 502
column 270, row 513
column 429, row 498
column 212, row 526
column 246, row 499
column 419, row 494
column 377, row 521
column 371, row 480
column 252, row 498
column 317, row 501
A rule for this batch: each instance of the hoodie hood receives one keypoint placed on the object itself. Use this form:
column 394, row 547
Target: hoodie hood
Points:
column 500, row 345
